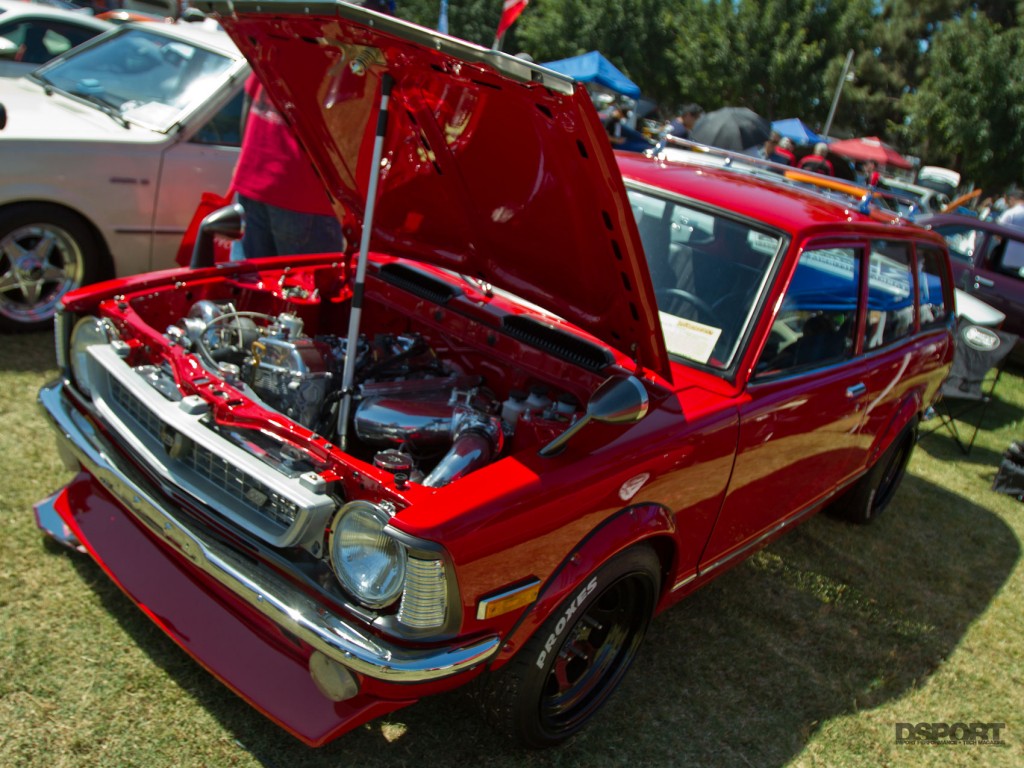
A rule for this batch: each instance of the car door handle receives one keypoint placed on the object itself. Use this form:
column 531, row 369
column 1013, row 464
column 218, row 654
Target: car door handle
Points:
column 983, row 281
column 856, row 390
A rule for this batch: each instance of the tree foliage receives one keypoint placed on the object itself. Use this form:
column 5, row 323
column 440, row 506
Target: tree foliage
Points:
column 969, row 109
column 941, row 79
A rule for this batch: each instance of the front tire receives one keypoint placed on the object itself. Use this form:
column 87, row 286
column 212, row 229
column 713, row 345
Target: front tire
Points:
column 871, row 494
column 573, row 663
column 45, row 251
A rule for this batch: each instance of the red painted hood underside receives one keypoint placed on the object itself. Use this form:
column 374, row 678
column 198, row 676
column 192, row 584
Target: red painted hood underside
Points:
column 491, row 166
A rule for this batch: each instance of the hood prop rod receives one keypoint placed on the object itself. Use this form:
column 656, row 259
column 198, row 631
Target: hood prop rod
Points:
column 349, row 371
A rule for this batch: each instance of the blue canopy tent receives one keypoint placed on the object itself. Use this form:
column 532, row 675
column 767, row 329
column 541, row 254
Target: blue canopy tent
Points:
column 797, row 130
column 594, row 68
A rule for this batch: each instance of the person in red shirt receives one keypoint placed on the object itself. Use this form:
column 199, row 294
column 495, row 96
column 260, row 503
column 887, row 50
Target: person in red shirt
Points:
column 785, row 151
column 773, row 150
column 287, row 209
column 818, row 160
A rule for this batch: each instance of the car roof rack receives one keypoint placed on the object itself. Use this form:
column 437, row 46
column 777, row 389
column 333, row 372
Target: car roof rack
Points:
column 868, row 198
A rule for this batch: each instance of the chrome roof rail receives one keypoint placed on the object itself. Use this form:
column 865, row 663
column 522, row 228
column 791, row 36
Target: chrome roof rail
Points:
column 866, row 197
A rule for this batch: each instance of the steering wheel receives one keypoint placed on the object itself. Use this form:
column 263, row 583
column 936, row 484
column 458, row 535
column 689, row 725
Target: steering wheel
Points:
column 702, row 306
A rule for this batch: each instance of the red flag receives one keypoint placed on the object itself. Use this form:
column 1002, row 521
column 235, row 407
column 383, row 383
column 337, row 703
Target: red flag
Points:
column 509, row 13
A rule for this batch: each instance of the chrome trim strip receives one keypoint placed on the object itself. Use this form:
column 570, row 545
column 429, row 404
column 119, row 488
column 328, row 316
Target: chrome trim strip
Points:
column 509, row 65
column 264, row 591
column 312, row 508
column 53, row 525
column 791, row 520
column 149, row 231
column 684, row 581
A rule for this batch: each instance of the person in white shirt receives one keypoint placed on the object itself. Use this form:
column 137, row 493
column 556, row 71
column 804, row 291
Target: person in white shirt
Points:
column 1013, row 216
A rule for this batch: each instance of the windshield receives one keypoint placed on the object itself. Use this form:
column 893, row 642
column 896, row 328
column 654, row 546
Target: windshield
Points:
column 147, row 78
column 708, row 271
column 961, row 239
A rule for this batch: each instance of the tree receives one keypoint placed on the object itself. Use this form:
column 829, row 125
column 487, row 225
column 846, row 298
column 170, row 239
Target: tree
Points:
column 632, row 34
column 939, row 78
column 472, row 20
column 969, row 110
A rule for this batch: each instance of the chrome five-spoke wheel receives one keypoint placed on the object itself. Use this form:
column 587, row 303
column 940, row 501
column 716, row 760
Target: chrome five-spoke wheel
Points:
column 44, row 253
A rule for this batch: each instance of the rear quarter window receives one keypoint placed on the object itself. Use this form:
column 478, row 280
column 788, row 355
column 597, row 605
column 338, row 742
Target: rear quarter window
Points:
column 933, row 287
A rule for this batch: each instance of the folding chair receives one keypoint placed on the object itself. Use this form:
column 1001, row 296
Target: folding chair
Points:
column 978, row 363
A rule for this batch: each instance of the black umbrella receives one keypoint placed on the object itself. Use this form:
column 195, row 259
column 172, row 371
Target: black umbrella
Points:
column 735, row 128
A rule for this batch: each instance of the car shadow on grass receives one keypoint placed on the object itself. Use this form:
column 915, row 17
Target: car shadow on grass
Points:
column 831, row 620
column 28, row 352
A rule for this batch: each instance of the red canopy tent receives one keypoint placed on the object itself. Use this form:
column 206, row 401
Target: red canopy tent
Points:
column 869, row 148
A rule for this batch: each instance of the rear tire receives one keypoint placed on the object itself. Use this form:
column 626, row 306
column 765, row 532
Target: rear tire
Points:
column 45, row 251
column 573, row 663
column 871, row 494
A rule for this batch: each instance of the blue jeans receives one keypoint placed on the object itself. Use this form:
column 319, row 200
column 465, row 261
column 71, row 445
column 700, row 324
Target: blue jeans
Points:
column 273, row 231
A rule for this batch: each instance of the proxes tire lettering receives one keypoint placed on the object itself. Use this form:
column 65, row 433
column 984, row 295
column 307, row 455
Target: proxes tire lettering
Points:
column 563, row 622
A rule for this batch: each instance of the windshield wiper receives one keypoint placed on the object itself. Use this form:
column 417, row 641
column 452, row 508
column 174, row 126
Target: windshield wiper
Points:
column 105, row 107
column 97, row 101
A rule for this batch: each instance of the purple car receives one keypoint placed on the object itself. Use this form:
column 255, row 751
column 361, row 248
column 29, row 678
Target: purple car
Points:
column 988, row 263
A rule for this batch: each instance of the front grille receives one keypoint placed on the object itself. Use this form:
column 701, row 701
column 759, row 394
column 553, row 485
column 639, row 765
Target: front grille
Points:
column 249, row 491
column 135, row 409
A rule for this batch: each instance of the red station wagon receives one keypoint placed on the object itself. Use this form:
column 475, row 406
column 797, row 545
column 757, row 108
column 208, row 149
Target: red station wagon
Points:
column 546, row 393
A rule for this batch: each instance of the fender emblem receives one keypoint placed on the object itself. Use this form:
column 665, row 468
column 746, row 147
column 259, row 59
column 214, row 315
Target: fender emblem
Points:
column 629, row 488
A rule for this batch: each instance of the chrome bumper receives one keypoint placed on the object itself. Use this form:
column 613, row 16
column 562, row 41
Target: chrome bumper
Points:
column 264, row 591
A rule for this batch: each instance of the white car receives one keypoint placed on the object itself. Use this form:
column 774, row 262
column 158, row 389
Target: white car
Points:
column 923, row 199
column 105, row 154
column 31, row 34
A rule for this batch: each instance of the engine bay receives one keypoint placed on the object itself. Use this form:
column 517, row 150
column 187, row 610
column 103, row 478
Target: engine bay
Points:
column 435, row 395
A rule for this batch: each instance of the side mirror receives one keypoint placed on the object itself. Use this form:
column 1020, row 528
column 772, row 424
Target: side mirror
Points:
column 8, row 49
column 619, row 400
column 228, row 221
column 193, row 15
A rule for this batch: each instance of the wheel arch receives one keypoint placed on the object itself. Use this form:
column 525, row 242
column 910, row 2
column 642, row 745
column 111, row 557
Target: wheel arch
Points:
column 908, row 413
column 106, row 265
column 650, row 525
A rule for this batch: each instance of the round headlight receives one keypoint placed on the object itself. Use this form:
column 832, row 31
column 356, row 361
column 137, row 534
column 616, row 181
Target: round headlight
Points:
column 369, row 563
column 88, row 331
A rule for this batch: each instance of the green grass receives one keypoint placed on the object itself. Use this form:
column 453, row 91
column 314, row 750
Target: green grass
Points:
column 807, row 654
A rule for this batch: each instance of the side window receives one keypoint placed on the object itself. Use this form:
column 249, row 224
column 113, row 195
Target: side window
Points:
column 40, row 41
column 890, row 295
column 1007, row 256
column 931, row 278
column 225, row 127
column 818, row 318
column 962, row 241
column 63, row 37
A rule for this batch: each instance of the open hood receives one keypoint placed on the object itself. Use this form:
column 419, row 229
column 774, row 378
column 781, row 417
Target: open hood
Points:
column 492, row 166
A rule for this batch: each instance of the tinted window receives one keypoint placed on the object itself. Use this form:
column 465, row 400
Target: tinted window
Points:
column 890, row 295
column 39, row 41
column 225, row 127
column 1006, row 255
column 818, row 317
column 930, row 287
